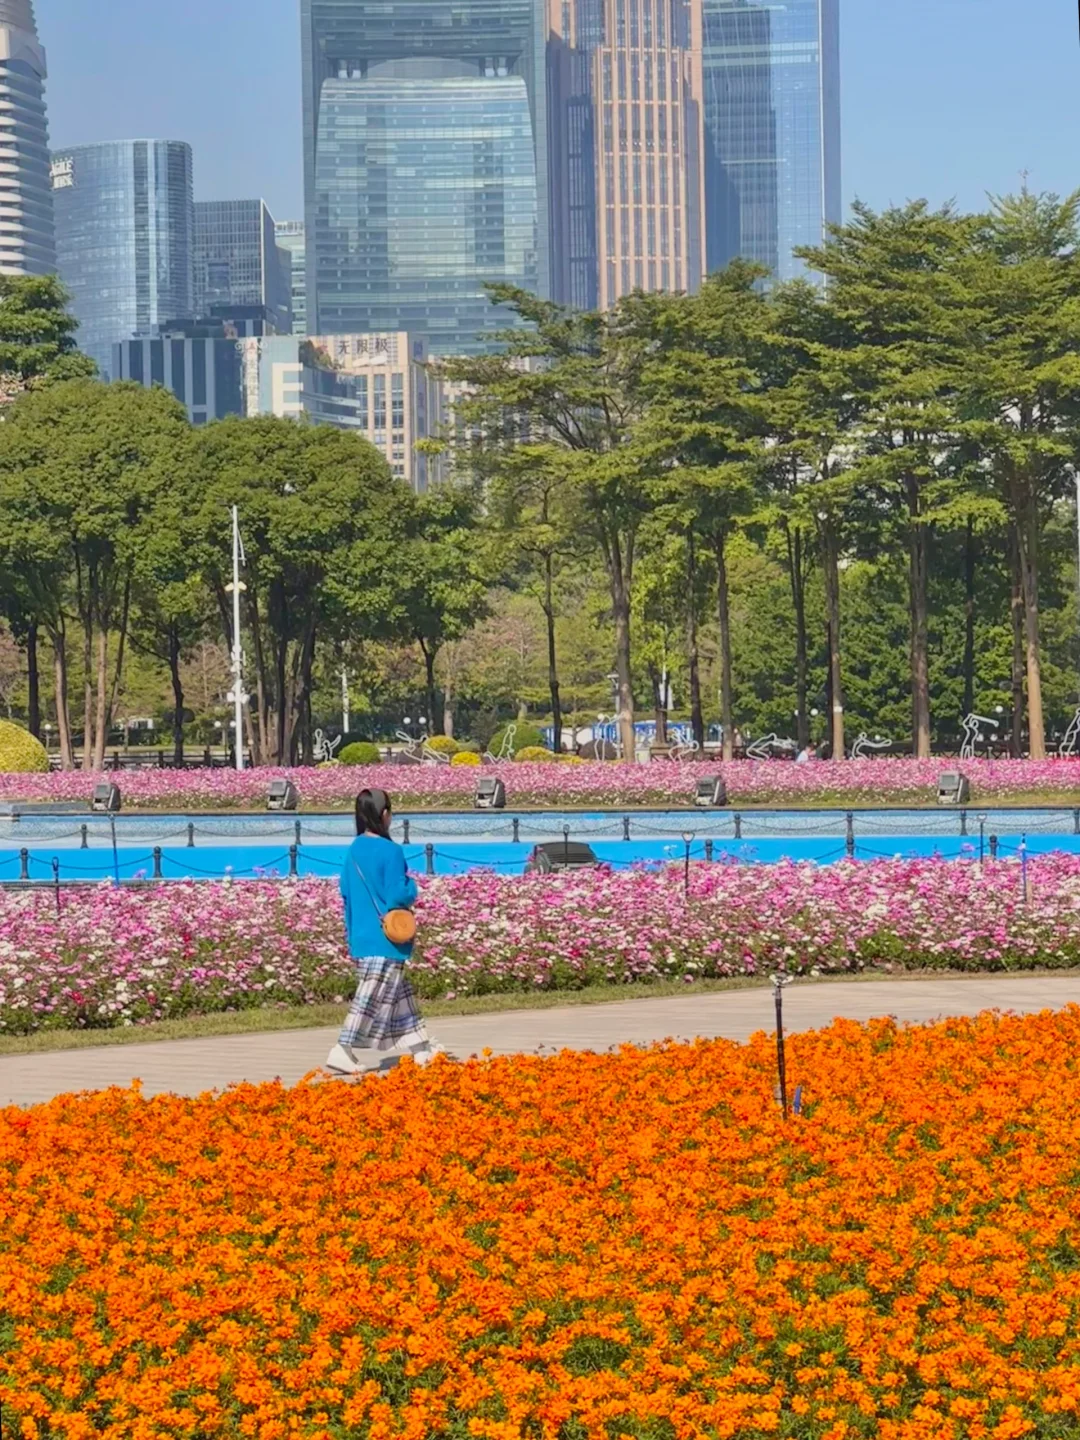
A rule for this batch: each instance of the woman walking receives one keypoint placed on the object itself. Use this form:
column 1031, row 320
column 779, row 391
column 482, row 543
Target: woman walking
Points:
column 379, row 894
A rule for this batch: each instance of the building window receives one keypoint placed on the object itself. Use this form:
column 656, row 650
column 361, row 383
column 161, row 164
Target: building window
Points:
column 397, row 401
column 379, row 418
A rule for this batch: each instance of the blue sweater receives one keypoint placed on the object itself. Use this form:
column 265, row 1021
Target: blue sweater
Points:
column 382, row 865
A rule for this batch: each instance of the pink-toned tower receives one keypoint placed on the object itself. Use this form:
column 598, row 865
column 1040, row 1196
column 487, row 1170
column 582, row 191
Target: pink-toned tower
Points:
column 625, row 78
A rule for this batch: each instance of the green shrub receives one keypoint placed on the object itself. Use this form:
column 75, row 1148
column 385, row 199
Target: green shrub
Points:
column 535, row 755
column 473, row 747
column 360, row 752
column 20, row 753
column 465, row 757
column 526, row 737
column 443, row 745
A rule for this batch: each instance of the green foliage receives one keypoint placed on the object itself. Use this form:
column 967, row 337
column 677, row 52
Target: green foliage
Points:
column 37, row 335
column 360, row 752
column 525, row 737
column 443, row 745
column 20, row 753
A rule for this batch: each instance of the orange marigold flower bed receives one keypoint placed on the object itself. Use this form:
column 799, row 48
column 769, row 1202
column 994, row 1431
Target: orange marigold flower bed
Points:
column 574, row 1248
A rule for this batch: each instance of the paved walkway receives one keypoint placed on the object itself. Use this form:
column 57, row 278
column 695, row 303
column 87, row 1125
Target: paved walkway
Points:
column 189, row 1067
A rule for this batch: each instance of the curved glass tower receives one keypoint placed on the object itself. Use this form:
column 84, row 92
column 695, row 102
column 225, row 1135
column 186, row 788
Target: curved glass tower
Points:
column 125, row 234
column 27, row 245
column 425, row 149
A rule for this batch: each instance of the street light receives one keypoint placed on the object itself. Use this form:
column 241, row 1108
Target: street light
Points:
column 688, row 840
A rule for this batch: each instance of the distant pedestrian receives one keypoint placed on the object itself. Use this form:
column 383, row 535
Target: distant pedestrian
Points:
column 805, row 755
column 379, row 895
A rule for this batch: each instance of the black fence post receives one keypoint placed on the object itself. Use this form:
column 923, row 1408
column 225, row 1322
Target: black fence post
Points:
column 993, row 847
column 116, row 759
column 708, row 849
column 1076, row 822
column 963, row 822
column 738, row 827
column 191, row 835
column 161, row 759
column 296, row 831
column 429, row 858
column 24, row 864
column 85, row 837
column 405, row 830
column 849, row 835
column 292, row 861
column 626, row 827
column 56, row 881
column 517, row 831
column 157, row 862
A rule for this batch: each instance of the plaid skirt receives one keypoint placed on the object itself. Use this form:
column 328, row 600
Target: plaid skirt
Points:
column 383, row 1013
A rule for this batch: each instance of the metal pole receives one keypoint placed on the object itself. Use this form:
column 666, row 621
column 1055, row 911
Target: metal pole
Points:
column 115, row 856
column 56, row 881
column 238, row 654
column 781, row 1059
column 345, row 717
column 1078, row 534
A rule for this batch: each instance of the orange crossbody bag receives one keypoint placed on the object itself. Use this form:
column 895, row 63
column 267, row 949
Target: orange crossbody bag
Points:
column 399, row 926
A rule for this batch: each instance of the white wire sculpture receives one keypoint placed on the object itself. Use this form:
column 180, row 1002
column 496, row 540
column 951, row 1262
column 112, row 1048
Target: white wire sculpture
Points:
column 765, row 747
column 433, row 756
column 323, row 748
column 1069, row 741
column 684, row 750
column 975, row 728
column 864, row 747
column 506, row 748
column 412, row 747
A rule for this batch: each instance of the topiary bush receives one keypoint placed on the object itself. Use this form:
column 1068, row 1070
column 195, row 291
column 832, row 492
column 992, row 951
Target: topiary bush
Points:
column 20, row 753
column 360, row 752
column 443, row 745
column 465, row 757
column 535, row 755
column 526, row 737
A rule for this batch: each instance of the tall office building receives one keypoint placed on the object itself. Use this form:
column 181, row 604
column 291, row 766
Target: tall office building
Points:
column 626, row 148
column 238, row 261
column 290, row 237
column 27, row 242
column 125, row 229
column 425, row 162
column 771, row 90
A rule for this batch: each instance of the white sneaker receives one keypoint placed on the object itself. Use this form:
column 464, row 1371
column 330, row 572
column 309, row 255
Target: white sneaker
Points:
column 342, row 1061
column 425, row 1053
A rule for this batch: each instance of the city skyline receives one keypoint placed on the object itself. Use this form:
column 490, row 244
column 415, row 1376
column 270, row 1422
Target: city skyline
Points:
column 935, row 104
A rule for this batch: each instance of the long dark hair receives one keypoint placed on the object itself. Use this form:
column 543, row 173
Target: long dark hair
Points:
column 371, row 805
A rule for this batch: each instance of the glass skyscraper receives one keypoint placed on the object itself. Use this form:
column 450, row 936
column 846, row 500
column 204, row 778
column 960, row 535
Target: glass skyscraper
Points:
column 125, row 227
column 425, row 165
column 238, row 261
column 27, row 244
column 290, row 238
column 771, row 116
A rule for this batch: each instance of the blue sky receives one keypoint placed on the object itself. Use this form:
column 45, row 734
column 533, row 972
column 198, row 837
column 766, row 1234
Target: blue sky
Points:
column 942, row 98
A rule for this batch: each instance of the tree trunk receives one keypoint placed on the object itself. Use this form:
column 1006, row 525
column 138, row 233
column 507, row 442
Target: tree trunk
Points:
column 969, row 618
column 63, row 711
column 697, row 719
column 448, row 704
column 723, row 606
column 920, row 642
column 1028, row 536
column 88, row 694
column 627, row 737
column 553, row 668
column 118, row 673
column 178, row 698
column 33, row 681
column 658, row 683
column 429, row 681
column 1016, row 613
column 102, row 707
column 798, row 600
column 830, row 565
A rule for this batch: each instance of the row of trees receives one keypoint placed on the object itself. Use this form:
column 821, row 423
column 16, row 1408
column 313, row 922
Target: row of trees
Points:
column 763, row 495
column 930, row 392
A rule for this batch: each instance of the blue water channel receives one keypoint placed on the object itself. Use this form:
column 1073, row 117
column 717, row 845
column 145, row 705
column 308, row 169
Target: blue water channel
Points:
column 81, row 847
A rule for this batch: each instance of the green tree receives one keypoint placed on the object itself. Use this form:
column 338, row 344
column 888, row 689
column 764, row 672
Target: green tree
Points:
column 37, row 336
column 80, row 471
column 567, row 384
column 323, row 522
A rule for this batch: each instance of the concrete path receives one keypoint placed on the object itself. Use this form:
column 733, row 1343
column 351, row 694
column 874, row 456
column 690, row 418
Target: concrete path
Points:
column 189, row 1067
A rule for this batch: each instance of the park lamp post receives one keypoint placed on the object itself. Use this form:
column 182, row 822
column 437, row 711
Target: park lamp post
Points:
column 236, row 695
column 688, row 840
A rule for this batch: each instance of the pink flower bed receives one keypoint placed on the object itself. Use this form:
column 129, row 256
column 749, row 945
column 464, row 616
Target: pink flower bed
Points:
column 855, row 782
column 120, row 957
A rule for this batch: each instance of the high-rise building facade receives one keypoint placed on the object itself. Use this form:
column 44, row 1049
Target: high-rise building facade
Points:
column 290, row 238
column 238, row 260
column 626, row 148
column 771, row 111
column 200, row 361
column 426, row 154
column 125, row 230
column 27, row 242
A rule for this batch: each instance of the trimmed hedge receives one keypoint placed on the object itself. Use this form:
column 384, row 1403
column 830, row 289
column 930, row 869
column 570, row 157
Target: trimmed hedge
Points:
column 361, row 752
column 20, row 753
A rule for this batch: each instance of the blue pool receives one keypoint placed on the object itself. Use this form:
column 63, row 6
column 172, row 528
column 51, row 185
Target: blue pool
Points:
column 80, row 847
